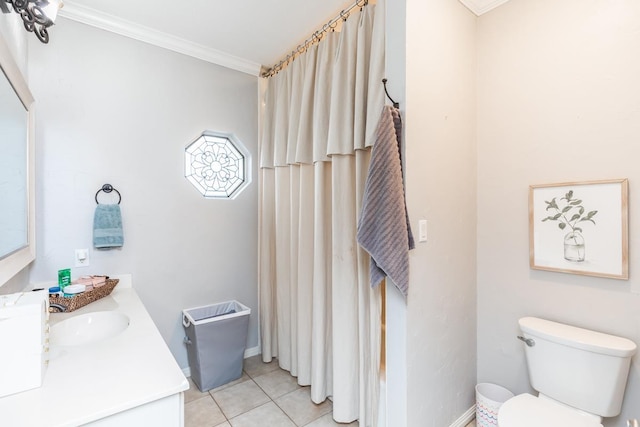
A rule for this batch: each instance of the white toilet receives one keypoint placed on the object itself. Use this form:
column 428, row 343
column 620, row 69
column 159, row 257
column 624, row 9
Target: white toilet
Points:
column 580, row 376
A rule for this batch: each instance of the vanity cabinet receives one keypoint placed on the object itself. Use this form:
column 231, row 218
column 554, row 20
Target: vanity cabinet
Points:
column 127, row 380
column 166, row 412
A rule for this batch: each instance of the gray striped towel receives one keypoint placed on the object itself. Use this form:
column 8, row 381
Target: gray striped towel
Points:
column 383, row 229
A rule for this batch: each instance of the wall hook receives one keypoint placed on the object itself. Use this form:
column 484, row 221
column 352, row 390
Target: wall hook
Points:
column 395, row 104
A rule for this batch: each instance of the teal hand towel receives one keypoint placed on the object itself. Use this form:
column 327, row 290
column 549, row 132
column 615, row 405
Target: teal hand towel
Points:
column 107, row 227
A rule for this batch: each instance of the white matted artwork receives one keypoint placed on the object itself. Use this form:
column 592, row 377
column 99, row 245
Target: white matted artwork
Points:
column 580, row 228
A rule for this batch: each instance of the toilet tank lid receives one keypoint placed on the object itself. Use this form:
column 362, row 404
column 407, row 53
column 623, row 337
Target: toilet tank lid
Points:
column 573, row 336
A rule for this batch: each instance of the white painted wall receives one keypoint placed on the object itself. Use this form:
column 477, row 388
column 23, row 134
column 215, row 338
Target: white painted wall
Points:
column 113, row 110
column 441, row 187
column 396, row 305
column 558, row 101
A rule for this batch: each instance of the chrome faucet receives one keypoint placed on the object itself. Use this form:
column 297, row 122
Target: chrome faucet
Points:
column 60, row 307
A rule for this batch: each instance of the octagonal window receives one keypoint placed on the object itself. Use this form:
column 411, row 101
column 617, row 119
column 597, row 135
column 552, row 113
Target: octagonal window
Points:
column 216, row 164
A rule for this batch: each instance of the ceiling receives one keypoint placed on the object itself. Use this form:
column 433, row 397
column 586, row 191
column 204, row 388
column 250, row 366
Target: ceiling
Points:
column 241, row 34
column 482, row 6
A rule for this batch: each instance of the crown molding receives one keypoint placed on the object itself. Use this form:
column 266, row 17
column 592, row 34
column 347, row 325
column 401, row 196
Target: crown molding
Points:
column 481, row 6
column 144, row 34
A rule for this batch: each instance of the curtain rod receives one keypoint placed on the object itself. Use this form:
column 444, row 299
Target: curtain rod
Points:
column 314, row 38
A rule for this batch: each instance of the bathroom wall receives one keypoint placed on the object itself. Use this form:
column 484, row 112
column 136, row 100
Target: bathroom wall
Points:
column 440, row 184
column 558, row 93
column 396, row 303
column 114, row 110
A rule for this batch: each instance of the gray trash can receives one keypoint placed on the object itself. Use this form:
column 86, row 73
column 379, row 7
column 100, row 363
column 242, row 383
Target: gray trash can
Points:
column 216, row 340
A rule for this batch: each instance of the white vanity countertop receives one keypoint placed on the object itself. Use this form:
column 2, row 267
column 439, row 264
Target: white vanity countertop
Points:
column 92, row 381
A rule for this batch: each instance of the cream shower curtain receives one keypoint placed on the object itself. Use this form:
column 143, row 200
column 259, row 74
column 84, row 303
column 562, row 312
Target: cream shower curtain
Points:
column 318, row 315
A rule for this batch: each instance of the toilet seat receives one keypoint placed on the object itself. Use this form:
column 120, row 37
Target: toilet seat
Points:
column 526, row 410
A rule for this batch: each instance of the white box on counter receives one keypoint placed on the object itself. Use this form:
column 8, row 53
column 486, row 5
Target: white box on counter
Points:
column 24, row 341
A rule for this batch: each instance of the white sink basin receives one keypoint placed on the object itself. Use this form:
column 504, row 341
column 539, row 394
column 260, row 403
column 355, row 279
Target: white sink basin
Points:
column 88, row 328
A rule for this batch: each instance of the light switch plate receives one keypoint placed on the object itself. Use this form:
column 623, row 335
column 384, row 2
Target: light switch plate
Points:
column 422, row 230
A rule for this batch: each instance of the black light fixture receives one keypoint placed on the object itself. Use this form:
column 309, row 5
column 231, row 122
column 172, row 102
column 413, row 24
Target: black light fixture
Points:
column 37, row 15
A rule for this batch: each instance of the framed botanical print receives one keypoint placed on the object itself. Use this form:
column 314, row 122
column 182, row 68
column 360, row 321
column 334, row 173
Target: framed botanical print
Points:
column 580, row 228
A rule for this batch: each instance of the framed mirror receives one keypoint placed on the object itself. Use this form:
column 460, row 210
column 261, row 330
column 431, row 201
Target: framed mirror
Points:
column 17, row 173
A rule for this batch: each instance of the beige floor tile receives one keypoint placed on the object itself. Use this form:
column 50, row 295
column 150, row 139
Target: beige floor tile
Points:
column 240, row 398
column 193, row 393
column 242, row 379
column 224, row 424
column 277, row 383
column 299, row 407
column 327, row 421
column 266, row 415
column 203, row 413
column 254, row 366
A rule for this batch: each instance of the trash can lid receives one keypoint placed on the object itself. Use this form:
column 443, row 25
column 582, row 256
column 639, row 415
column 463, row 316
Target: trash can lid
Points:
column 526, row 410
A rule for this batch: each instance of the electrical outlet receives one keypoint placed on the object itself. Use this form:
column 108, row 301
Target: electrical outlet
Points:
column 82, row 257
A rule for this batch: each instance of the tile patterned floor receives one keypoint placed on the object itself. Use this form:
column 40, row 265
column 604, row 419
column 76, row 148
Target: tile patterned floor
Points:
column 264, row 396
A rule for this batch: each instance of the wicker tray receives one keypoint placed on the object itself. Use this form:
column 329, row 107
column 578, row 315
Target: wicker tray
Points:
column 84, row 298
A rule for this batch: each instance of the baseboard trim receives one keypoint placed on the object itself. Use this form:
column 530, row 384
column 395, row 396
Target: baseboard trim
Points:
column 253, row 351
column 465, row 418
column 249, row 352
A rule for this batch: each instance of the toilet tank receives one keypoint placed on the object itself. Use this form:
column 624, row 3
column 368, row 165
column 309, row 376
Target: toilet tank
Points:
column 578, row 367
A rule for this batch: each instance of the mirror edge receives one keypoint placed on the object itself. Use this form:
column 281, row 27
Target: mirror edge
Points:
column 17, row 261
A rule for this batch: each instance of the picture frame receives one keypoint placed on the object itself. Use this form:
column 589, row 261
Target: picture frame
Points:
column 580, row 228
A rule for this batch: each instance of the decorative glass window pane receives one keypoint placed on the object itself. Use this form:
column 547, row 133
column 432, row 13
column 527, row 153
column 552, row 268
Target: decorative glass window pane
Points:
column 216, row 164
